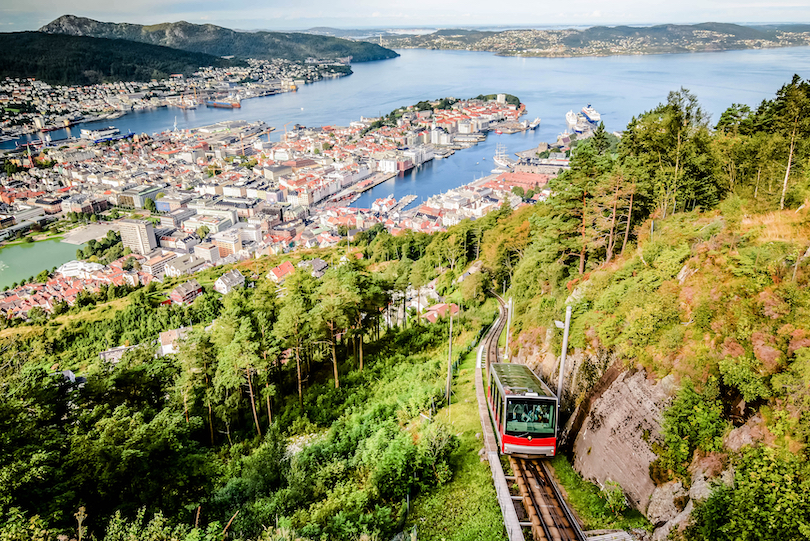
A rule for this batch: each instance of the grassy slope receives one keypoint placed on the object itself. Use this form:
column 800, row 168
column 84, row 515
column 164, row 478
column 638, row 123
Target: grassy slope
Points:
column 584, row 497
column 466, row 508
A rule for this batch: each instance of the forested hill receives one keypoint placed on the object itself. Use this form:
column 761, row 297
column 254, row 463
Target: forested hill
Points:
column 82, row 60
column 220, row 41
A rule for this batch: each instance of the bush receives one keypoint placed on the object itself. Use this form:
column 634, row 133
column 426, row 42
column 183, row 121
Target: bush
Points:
column 693, row 421
column 614, row 498
column 770, row 500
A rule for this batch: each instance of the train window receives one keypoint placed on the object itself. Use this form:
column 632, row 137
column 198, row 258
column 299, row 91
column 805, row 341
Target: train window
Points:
column 530, row 418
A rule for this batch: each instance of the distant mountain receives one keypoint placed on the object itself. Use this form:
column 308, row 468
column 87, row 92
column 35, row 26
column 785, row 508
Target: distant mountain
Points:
column 609, row 40
column 665, row 33
column 219, row 41
column 82, row 60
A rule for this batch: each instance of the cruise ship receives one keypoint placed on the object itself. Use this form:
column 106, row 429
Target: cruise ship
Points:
column 571, row 118
column 591, row 114
column 93, row 135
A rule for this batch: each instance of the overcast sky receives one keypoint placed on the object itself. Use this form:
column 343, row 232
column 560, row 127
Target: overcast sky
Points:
column 17, row 15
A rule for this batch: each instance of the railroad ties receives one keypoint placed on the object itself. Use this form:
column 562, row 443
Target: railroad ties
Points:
column 549, row 516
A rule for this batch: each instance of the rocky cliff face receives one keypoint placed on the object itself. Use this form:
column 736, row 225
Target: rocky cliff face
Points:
column 616, row 419
column 615, row 441
column 614, row 424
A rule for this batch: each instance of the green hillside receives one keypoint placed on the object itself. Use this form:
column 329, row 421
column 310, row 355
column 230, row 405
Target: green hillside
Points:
column 303, row 414
column 82, row 60
column 219, row 41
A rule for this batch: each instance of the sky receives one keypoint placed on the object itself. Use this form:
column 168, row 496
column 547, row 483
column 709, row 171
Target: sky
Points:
column 19, row 15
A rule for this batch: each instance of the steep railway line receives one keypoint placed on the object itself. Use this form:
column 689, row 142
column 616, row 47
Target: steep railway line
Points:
column 550, row 519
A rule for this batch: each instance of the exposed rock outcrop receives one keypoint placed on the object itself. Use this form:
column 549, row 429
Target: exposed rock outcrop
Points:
column 679, row 522
column 663, row 505
column 752, row 431
column 615, row 442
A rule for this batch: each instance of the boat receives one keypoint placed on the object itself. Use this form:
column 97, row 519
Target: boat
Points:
column 224, row 104
column 500, row 159
column 591, row 114
column 571, row 118
column 498, row 132
column 534, row 123
column 93, row 135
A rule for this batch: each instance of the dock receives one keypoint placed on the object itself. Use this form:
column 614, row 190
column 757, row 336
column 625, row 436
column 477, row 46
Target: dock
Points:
column 404, row 202
column 369, row 183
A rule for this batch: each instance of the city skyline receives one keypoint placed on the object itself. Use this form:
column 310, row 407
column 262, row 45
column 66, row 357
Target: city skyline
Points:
column 18, row 15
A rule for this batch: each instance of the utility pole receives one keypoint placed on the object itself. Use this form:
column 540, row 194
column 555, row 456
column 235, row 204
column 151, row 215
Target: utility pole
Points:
column 564, row 352
column 508, row 325
column 450, row 357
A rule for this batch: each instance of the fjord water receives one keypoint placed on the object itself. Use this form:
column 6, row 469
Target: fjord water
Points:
column 619, row 87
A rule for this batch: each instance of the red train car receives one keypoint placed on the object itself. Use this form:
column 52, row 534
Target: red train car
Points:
column 523, row 410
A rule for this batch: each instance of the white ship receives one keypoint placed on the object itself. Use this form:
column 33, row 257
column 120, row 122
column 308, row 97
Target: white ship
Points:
column 582, row 125
column 534, row 123
column 591, row 114
column 93, row 135
column 501, row 159
column 571, row 118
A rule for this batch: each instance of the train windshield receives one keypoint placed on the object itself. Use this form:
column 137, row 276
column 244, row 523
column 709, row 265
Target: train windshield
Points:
column 526, row 418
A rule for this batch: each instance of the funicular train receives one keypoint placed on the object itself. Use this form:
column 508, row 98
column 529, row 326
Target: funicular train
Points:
column 524, row 411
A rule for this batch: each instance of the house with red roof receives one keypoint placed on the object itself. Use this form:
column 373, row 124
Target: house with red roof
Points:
column 279, row 273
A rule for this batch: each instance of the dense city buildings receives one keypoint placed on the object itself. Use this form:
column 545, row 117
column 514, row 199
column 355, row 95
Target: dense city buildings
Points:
column 138, row 236
column 222, row 193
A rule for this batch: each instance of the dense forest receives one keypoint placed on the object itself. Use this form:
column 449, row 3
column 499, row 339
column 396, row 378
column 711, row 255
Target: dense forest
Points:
column 302, row 413
column 60, row 59
column 219, row 41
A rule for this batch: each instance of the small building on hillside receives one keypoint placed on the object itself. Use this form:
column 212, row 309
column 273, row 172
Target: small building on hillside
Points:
column 229, row 281
column 186, row 293
column 318, row 266
column 278, row 274
column 437, row 311
column 169, row 340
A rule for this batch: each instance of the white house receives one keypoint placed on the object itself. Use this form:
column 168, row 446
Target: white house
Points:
column 229, row 281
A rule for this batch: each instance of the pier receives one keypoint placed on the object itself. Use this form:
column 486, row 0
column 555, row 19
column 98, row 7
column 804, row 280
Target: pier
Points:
column 369, row 183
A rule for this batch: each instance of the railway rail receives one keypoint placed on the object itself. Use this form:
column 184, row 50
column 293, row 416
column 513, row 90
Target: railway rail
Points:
column 549, row 517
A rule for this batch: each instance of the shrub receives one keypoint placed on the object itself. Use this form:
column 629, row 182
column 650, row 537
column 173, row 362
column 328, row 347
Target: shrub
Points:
column 693, row 421
column 614, row 498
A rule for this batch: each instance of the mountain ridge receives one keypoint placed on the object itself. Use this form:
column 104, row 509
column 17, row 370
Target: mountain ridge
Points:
column 219, row 41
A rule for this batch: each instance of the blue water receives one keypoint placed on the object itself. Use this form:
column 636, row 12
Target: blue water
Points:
column 619, row 87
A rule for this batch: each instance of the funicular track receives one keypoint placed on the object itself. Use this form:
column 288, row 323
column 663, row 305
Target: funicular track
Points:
column 549, row 517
